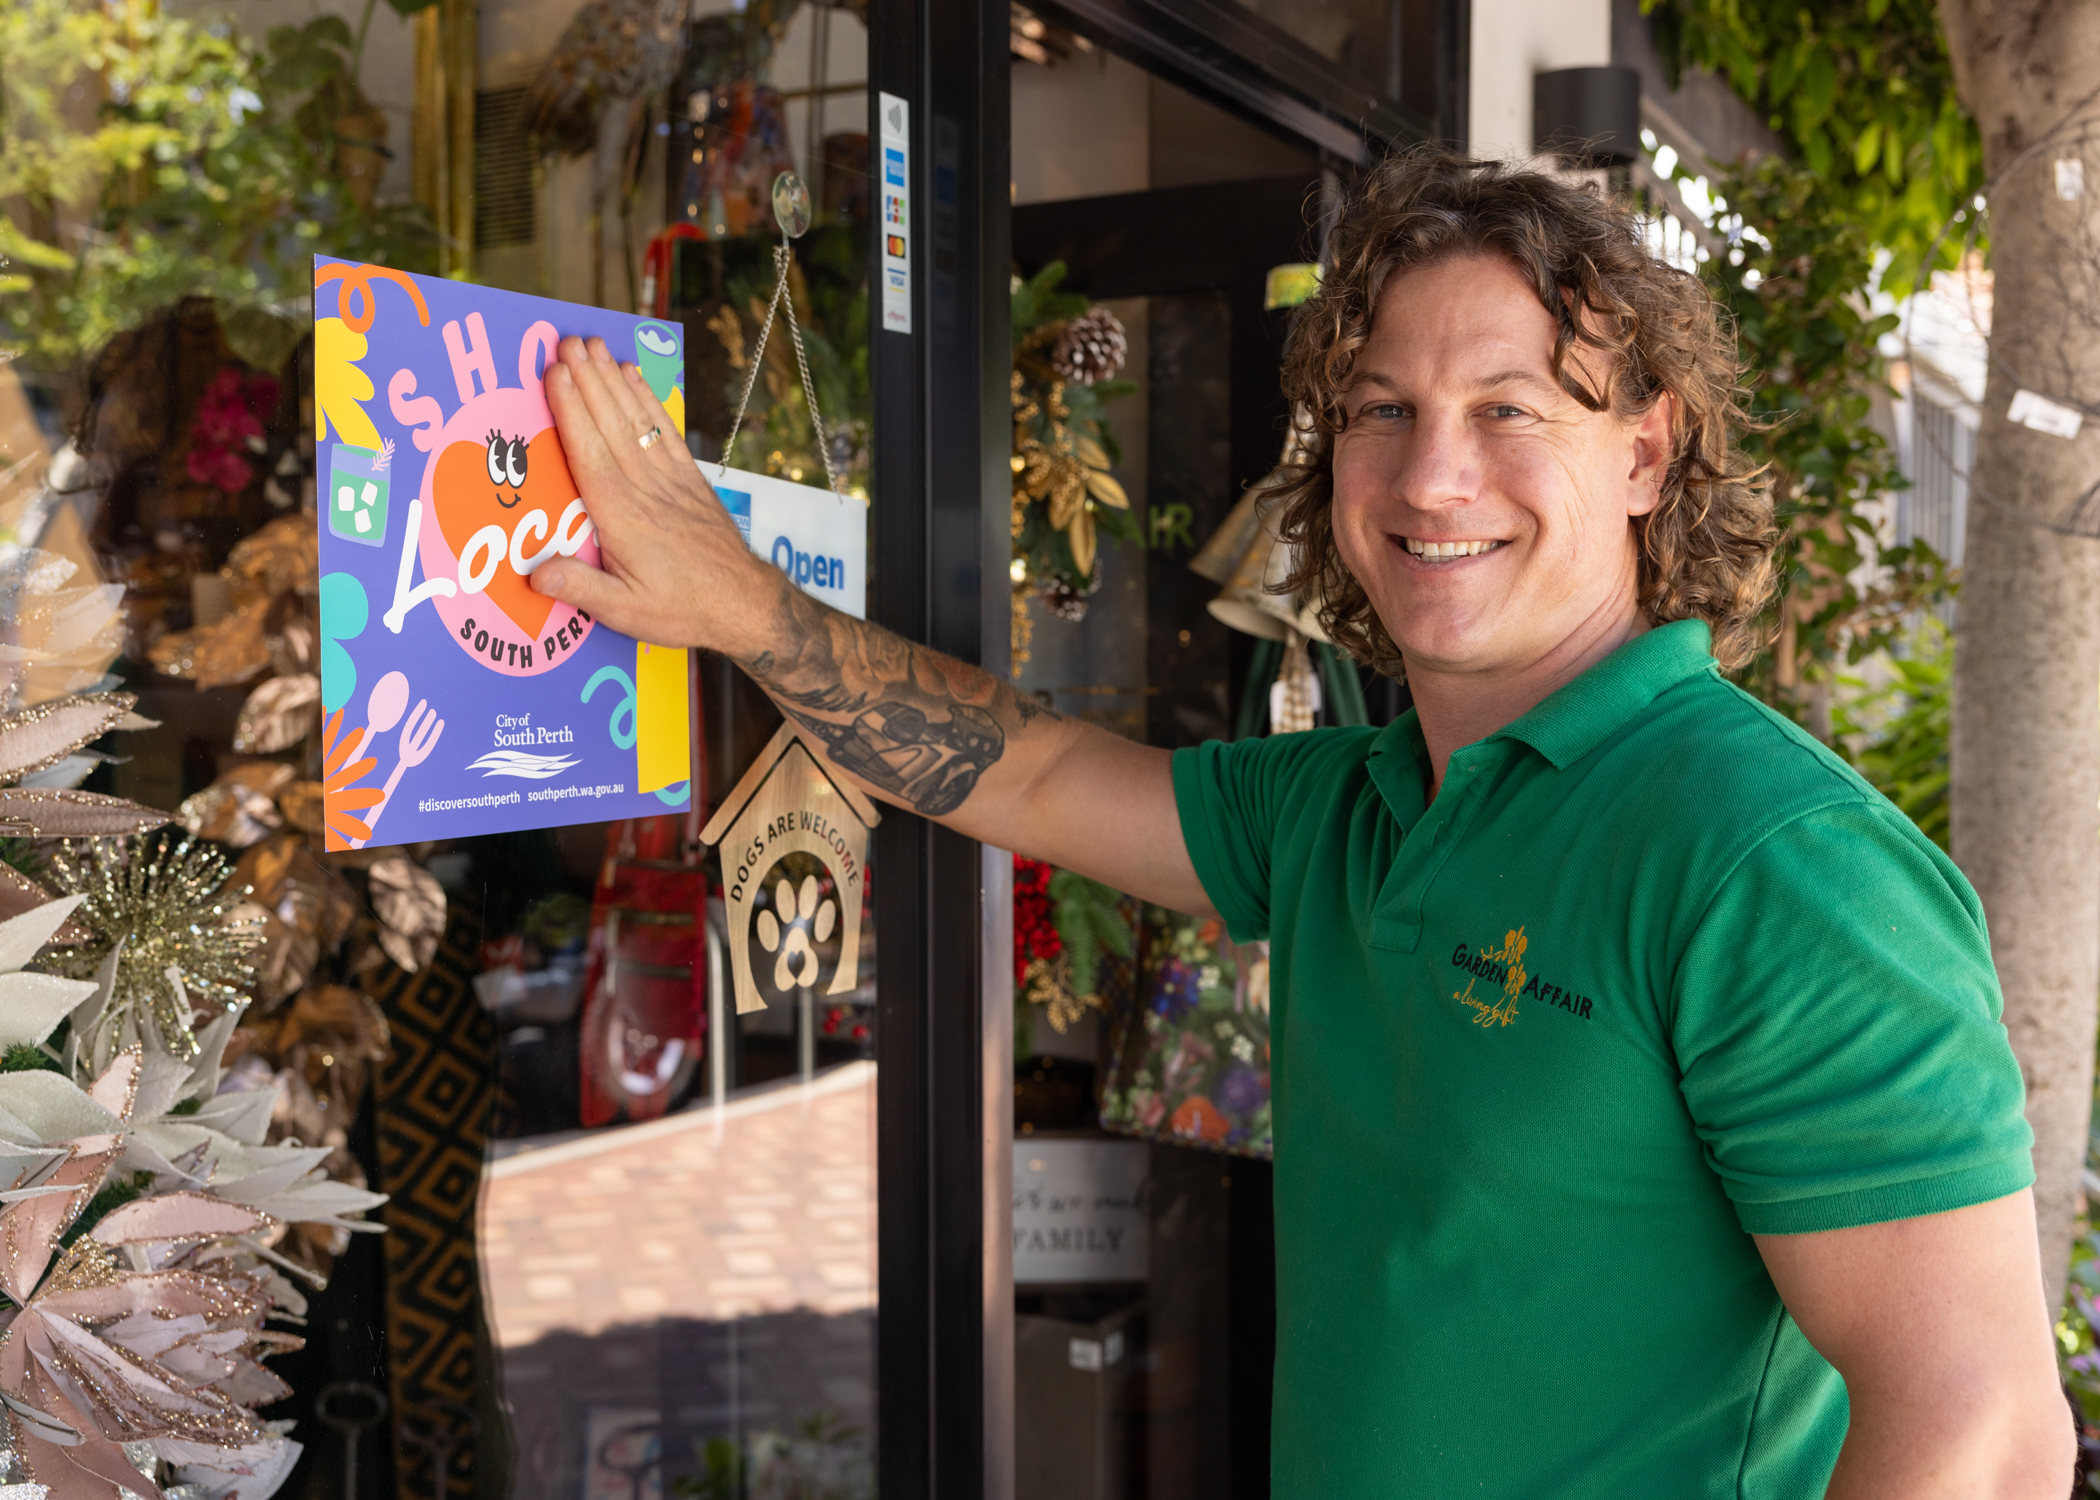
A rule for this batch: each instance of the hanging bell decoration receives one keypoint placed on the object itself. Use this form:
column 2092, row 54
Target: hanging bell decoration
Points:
column 1247, row 556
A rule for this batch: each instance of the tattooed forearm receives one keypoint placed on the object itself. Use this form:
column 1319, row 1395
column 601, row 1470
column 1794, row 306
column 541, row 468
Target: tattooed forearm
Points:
column 916, row 725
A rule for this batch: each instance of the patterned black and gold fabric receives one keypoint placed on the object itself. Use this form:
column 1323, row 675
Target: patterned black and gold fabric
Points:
column 433, row 1099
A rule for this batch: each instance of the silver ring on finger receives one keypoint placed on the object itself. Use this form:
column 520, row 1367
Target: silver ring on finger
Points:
column 648, row 439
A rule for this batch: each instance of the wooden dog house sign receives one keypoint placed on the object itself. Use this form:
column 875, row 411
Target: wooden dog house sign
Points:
column 794, row 847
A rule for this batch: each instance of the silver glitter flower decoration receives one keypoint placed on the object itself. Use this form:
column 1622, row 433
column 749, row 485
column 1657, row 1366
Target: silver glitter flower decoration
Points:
column 183, row 951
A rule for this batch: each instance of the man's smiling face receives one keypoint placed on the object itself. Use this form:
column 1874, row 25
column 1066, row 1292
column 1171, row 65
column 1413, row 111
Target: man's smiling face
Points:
column 1485, row 510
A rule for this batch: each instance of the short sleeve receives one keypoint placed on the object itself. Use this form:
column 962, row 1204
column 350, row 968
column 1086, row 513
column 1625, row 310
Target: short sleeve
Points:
column 1836, row 1022
column 1236, row 800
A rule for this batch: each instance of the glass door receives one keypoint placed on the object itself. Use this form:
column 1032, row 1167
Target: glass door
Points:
column 1143, row 1235
column 629, row 1239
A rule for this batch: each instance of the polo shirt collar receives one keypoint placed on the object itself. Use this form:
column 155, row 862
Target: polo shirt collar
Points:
column 1576, row 718
column 1567, row 725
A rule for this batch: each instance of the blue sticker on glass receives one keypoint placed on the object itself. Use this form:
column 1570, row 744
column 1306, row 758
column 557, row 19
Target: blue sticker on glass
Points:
column 738, row 504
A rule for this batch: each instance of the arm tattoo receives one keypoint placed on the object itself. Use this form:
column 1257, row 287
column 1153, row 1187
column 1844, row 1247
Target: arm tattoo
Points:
column 919, row 726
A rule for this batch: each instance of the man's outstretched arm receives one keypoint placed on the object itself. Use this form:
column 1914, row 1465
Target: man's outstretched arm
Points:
column 915, row 728
column 1941, row 1330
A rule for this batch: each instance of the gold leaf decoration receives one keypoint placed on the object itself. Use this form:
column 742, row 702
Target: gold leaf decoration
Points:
column 307, row 910
column 292, row 645
column 279, row 714
column 283, row 557
column 1081, row 531
column 410, row 905
column 266, row 776
column 48, row 812
column 303, row 806
column 218, row 655
column 230, row 814
column 1104, row 488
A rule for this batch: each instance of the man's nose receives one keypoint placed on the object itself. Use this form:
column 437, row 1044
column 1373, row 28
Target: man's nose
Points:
column 1439, row 466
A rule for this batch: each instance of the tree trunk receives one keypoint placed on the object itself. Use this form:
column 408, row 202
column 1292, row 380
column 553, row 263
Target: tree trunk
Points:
column 2026, row 742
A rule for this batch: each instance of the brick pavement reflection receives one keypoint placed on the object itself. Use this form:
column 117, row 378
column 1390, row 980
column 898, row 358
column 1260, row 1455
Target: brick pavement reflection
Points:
column 692, row 1275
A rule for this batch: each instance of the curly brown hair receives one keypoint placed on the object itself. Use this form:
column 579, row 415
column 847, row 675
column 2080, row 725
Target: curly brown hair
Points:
column 1706, row 548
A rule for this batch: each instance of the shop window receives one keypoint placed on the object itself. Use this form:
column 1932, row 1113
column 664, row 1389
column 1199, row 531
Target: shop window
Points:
column 629, row 1240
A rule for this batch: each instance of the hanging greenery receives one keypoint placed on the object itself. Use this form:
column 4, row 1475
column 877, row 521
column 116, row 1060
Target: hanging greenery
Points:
column 1067, row 353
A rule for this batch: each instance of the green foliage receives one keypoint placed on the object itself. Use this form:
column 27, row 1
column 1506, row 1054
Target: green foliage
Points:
column 1038, row 299
column 720, row 1478
column 20, row 855
column 1795, row 284
column 820, row 1457
column 200, row 164
column 1090, row 919
column 1901, row 729
column 27, row 1057
column 1861, row 92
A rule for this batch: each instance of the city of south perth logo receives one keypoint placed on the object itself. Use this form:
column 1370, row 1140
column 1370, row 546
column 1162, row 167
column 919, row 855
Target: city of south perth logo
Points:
column 1502, row 971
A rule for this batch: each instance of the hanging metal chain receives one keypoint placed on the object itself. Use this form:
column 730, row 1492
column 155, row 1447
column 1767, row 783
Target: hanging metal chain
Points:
column 783, row 258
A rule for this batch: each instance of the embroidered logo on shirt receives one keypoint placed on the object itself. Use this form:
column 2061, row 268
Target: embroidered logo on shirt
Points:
column 1503, row 970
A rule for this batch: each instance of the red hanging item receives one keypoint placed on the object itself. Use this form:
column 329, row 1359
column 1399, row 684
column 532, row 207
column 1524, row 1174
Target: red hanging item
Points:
column 659, row 268
column 645, row 976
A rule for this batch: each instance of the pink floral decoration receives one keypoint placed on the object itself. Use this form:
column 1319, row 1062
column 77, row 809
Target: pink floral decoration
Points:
column 228, row 428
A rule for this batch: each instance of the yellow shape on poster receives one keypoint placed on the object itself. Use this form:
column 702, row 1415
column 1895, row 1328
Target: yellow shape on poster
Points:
column 674, row 407
column 340, row 386
column 662, row 717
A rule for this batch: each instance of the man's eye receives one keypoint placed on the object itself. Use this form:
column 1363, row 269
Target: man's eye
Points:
column 1505, row 410
column 1384, row 411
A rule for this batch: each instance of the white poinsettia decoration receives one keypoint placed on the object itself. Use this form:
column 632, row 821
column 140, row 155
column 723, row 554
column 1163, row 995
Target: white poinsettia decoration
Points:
column 137, row 1209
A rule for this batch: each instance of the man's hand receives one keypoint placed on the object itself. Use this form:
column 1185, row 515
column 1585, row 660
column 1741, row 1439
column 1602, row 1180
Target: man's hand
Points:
column 675, row 570
column 1938, row 1326
column 914, row 727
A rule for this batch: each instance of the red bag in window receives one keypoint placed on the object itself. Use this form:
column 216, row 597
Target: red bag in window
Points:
column 645, row 984
column 645, row 969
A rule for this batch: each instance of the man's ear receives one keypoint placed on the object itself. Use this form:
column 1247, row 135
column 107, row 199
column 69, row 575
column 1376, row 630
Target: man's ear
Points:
column 1654, row 449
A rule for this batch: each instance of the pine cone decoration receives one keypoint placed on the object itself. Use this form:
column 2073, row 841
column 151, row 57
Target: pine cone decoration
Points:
column 1092, row 348
column 1064, row 601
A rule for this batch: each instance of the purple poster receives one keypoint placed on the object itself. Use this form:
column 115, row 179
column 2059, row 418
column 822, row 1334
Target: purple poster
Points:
column 456, row 700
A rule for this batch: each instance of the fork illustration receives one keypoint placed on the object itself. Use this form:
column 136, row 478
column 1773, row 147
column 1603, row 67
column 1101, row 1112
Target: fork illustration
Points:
column 419, row 736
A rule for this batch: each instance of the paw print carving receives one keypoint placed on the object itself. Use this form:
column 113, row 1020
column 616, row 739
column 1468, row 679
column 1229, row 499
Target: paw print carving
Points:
column 797, row 922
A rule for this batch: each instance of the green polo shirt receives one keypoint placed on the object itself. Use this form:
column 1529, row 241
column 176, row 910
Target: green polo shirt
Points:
column 1655, row 971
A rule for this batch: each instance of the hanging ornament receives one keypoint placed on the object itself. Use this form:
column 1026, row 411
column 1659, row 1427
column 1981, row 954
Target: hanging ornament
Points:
column 1064, row 497
column 1294, row 697
column 1092, row 348
column 794, row 849
column 167, row 911
column 1063, row 600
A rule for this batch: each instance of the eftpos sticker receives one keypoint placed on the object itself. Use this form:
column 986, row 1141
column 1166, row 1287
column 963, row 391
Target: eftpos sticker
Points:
column 358, row 480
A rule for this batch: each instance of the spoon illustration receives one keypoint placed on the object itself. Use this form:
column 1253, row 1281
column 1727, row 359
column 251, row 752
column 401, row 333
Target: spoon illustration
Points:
column 418, row 738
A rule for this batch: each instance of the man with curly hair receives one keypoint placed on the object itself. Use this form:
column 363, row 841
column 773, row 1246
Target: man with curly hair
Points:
column 1644, row 1123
